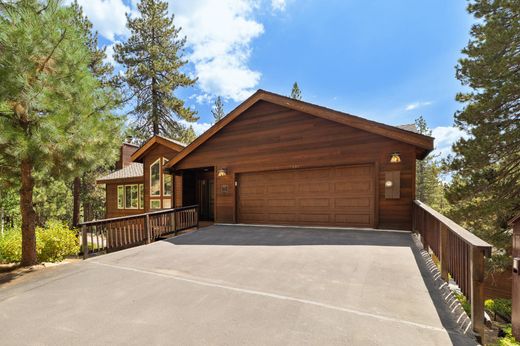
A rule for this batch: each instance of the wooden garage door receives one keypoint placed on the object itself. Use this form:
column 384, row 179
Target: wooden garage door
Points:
column 332, row 196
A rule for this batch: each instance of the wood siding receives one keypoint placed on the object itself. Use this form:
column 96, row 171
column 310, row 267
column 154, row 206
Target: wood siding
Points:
column 268, row 137
column 111, row 198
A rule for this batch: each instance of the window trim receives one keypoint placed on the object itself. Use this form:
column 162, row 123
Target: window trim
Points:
column 158, row 161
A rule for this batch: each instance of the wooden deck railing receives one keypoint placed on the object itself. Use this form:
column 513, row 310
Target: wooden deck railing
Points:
column 460, row 253
column 118, row 233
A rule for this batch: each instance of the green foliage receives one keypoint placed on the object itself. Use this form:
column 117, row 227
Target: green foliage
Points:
column 53, row 243
column 11, row 246
column 508, row 340
column 429, row 188
column 500, row 306
column 58, row 116
column 152, row 57
column 296, row 92
column 218, row 109
column 464, row 302
column 485, row 191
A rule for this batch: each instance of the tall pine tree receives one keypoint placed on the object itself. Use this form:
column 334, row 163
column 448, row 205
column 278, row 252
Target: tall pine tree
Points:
column 152, row 58
column 218, row 109
column 296, row 92
column 55, row 112
column 485, row 191
column 429, row 188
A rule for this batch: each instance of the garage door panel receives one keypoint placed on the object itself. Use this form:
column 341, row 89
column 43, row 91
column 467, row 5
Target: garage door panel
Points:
column 315, row 187
column 315, row 202
column 332, row 196
column 362, row 202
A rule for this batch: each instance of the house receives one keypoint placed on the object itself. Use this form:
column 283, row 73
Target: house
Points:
column 276, row 160
column 140, row 183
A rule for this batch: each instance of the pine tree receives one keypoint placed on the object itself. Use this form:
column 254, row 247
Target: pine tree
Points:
column 429, row 188
column 485, row 191
column 152, row 57
column 296, row 92
column 218, row 109
column 56, row 114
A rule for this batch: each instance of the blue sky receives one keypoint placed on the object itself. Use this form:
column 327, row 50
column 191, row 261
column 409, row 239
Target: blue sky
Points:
column 388, row 61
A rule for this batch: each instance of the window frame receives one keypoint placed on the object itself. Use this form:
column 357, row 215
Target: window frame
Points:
column 158, row 161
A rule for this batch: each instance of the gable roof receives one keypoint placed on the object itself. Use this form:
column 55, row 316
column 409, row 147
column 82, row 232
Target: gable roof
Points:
column 133, row 170
column 399, row 134
column 157, row 139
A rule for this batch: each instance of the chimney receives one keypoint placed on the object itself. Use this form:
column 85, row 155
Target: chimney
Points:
column 126, row 150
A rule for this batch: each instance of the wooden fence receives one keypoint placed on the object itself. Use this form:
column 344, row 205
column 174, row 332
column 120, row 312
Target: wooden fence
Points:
column 118, row 233
column 460, row 253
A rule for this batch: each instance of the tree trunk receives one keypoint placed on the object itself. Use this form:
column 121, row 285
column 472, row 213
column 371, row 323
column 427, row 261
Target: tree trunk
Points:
column 76, row 192
column 28, row 214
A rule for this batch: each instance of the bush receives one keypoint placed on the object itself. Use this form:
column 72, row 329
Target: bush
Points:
column 464, row 302
column 499, row 306
column 507, row 340
column 11, row 246
column 53, row 243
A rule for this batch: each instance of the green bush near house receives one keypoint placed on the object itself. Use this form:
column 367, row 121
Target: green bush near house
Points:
column 500, row 306
column 464, row 302
column 54, row 242
column 507, row 340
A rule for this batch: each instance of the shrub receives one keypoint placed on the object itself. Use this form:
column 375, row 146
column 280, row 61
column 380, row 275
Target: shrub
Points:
column 507, row 340
column 464, row 302
column 53, row 243
column 11, row 246
column 500, row 306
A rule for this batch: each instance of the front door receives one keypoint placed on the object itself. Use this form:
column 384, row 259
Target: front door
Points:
column 205, row 198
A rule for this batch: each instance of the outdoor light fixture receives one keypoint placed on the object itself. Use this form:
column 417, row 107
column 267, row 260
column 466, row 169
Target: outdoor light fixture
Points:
column 396, row 158
column 222, row 172
column 388, row 183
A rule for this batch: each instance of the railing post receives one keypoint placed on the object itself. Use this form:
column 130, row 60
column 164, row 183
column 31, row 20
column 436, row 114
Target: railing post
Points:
column 84, row 241
column 172, row 220
column 147, row 229
column 477, row 291
column 444, row 255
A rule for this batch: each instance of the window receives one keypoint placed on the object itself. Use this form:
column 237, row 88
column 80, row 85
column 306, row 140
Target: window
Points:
column 167, row 184
column 131, row 196
column 155, row 204
column 120, row 197
column 167, row 203
column 155, row 178
column 141, row 196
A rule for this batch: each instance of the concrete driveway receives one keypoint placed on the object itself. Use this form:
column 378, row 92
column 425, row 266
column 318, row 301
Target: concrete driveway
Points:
column 234, row 285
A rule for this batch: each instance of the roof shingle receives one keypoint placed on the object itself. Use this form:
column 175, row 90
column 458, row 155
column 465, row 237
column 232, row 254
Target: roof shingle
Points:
column 134, row 170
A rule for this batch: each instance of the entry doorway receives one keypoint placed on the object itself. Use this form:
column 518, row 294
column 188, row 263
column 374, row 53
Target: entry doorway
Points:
column 199, row 188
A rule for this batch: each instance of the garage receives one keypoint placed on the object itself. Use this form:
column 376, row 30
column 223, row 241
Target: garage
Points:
column 332, row 196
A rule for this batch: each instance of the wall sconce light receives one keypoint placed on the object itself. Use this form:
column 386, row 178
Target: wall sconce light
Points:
column 388, row 183
column 396, row 158
column 222, row 172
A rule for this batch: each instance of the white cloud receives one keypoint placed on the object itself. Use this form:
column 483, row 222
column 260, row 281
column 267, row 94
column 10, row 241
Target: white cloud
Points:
column 278, row 5
column 219, row 35
column 445, row 136
column 199, row 128
column 416, row 105
column 110, row 54
column 108, row 16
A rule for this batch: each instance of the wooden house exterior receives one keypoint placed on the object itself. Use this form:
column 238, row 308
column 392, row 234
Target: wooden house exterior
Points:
column 275, row 160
